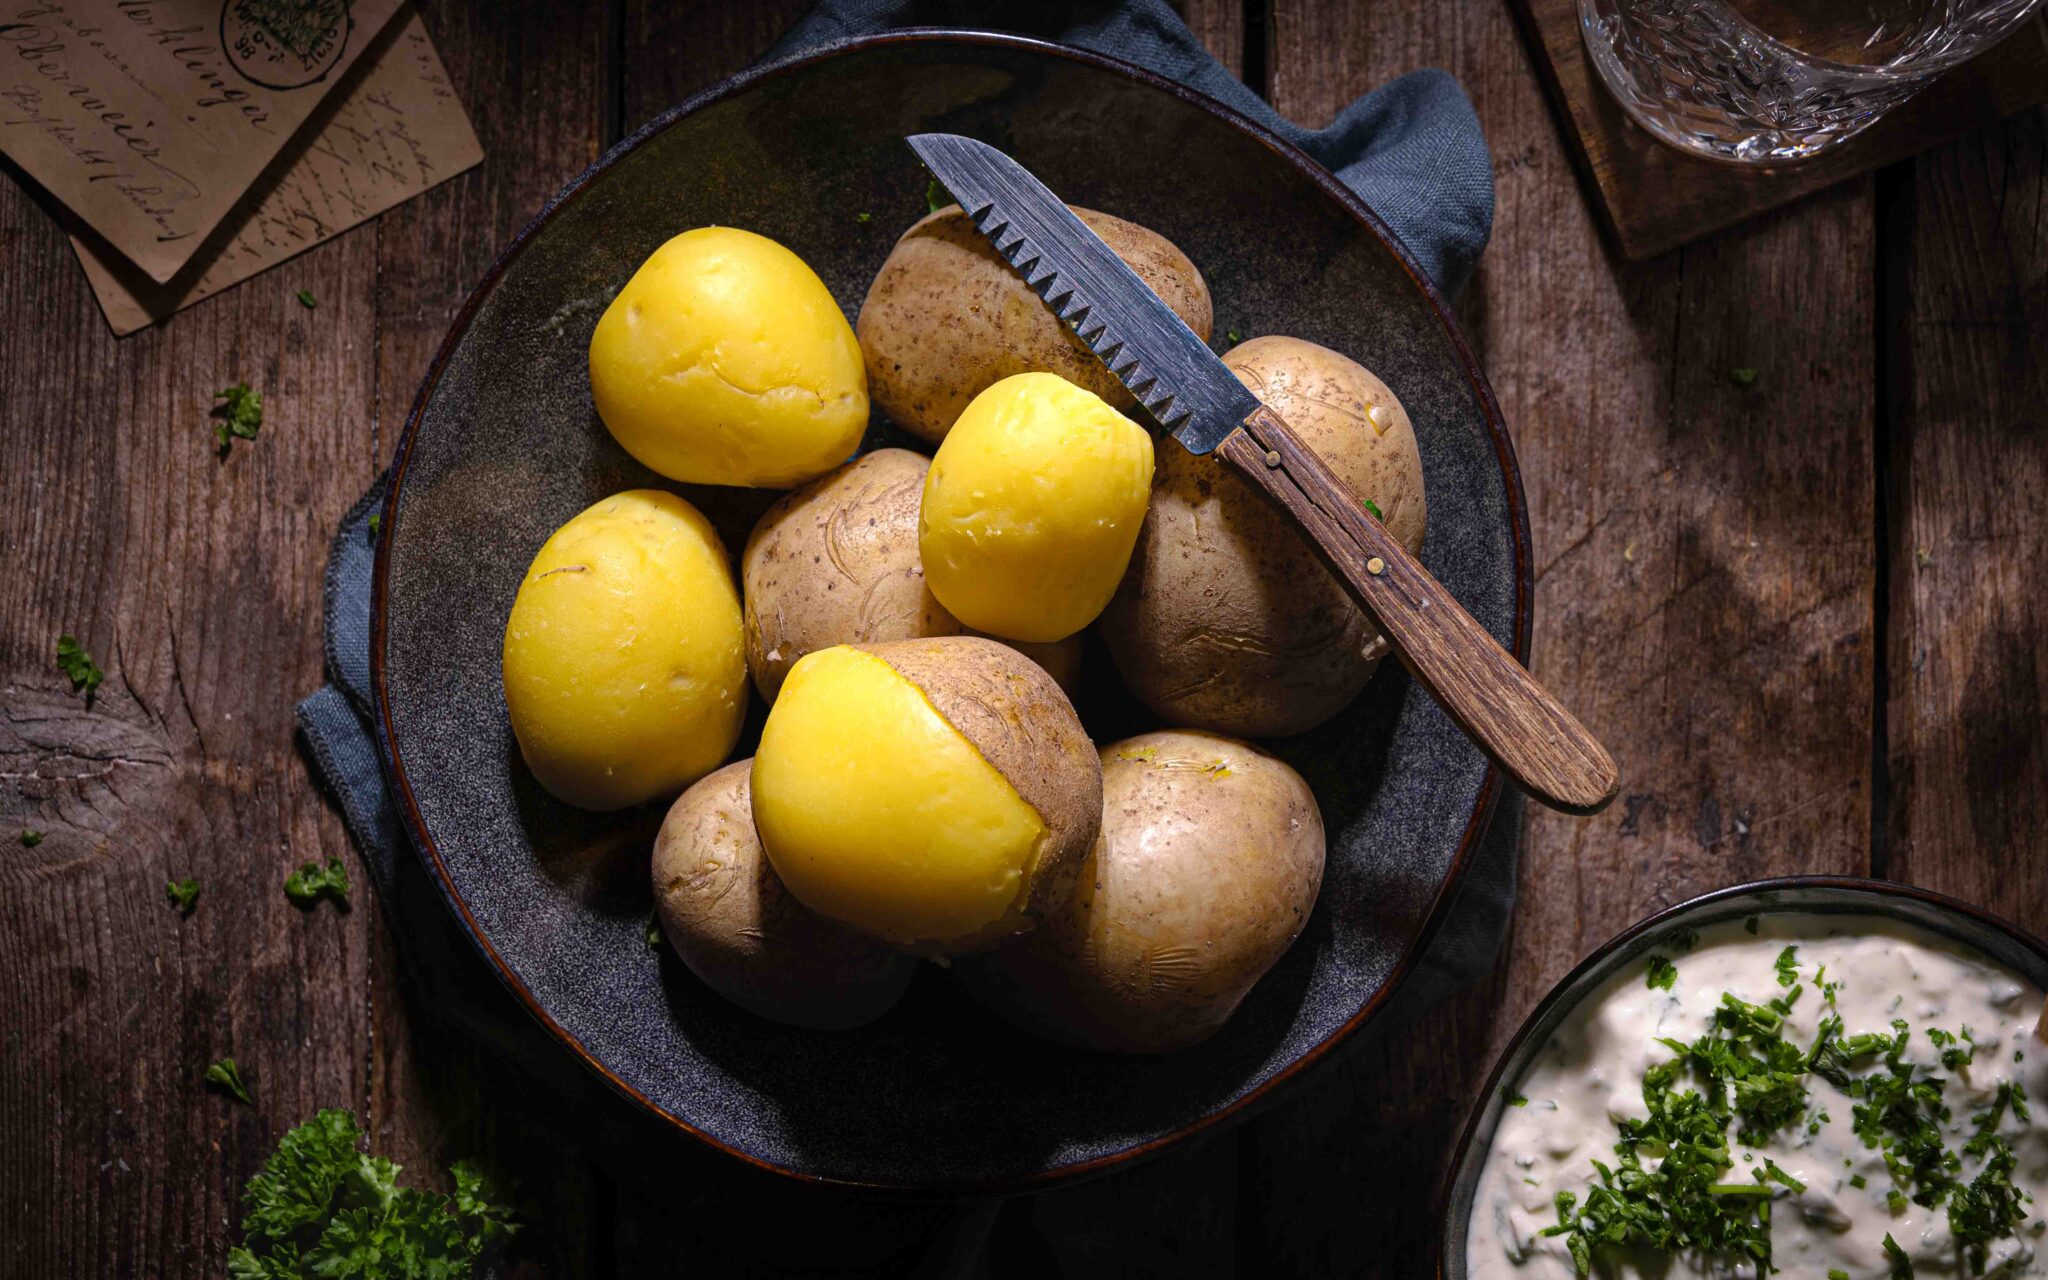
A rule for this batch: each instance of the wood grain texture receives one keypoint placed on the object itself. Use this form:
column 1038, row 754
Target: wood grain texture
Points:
column 1704, row 591
column 1653, row 197
column 1967, row 677
column 194, row 579
column 1518, row 723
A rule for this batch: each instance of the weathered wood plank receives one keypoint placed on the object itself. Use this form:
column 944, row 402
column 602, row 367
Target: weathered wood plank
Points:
column 1703, row 597
column 537, row 81
column 1967, row 671
column 195, row 581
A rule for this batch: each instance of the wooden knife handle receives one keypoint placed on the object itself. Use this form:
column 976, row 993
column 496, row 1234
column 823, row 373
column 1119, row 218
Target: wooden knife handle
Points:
column 1493, row 698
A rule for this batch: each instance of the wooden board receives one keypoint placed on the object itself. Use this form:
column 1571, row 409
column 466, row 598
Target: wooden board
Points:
column 1966, row 525
column 1653, row 197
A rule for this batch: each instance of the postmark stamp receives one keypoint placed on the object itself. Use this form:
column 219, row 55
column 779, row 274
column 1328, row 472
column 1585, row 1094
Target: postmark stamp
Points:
column 284, row 44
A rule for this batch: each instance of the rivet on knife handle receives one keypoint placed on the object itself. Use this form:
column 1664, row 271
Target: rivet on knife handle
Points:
column 1493, row 698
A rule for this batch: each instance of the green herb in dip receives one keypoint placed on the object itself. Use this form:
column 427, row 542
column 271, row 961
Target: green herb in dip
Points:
column 1825, row 1096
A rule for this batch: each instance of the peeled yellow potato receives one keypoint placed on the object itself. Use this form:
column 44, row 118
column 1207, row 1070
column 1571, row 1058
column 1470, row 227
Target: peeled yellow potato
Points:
column 624, row 672
column 1227, row 620
column 836, row 563
column 725, row 360
column 937, row 794
column 946, row 318
column 1032, row 506
column 729, row 918
column 1208, row 864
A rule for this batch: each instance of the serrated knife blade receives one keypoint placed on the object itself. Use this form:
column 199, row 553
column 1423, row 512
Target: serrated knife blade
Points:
column 1149, row 348
column 1191, row 393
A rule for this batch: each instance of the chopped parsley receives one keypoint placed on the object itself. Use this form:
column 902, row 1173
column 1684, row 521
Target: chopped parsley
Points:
column 1233, row 337
column 376, row 524
column 227, row 1077
column 935, row 196
column 241, row 416
column 654, row 935
column 1663, row 974
column 320, row 1207
column 312, row 882
column 79, row 668
column 1787, row 966
column 1374, row 507
column 1670, row 1187
column 30, row 838
column 1742, row 377
column 306, row 300
column 182, row 894
column 863, row 217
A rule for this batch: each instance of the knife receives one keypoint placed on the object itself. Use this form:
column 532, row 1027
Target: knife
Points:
column 1194, row 395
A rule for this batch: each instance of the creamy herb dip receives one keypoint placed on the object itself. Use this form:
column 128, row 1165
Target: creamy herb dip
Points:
column 1590, row 1076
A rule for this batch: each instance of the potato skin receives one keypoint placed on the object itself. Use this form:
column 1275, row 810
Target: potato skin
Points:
column 836, row 562
column 625, row 678
column 946, row 318
column 1208, row 864
column 725, row 360
column 1226, row 620
column 732, row 922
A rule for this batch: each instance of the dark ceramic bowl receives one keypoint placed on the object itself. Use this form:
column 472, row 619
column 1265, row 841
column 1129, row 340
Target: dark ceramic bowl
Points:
column 1943, row 916
column 503, row 445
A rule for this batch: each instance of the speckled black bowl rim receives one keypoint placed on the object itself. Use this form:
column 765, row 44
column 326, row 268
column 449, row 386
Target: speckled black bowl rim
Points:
column 1490, row 786
column 1883, row 892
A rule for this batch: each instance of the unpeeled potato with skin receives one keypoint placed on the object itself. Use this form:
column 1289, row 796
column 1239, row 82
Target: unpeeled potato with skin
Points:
column 732, row 922
column 1208, row 864
column 1226, row 619
column 946, row 318
column 836, row 562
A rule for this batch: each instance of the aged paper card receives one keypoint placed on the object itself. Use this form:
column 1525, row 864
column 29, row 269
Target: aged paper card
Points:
column 149, row 119
column 395, row 130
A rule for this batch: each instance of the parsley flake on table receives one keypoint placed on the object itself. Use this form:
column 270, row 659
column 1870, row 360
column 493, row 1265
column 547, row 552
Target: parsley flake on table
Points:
column 79, row 668
column 182, row 894
column 1742, row 377
column 376, row 523
column 320, row 1207
column 654, row 934
column 30, row 837
column 306, row 299
column 863, row 217
column 227, row 1077
column 241, row 415
column 1663, row 974
column 306, row 886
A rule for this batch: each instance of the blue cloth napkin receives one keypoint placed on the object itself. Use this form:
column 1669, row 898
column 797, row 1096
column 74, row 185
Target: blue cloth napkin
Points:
column 1412, row 149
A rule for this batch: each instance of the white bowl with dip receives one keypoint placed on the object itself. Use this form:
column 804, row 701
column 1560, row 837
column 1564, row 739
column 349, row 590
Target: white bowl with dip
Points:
column 1576, row 1068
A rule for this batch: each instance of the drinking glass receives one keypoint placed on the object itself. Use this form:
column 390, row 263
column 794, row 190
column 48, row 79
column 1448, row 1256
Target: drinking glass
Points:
column 1772, row 81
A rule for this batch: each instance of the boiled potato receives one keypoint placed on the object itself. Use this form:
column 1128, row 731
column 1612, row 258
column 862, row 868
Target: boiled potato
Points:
column 1227, row 620
column 946, row 318
column 729, row 918
column 836, row 563
column 1032, row 506
column 937, row 794
column 725, row 360
column 1208, row 864
column 625, row 675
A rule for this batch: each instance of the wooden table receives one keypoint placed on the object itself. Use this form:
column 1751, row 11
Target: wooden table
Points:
column 1808, row 615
